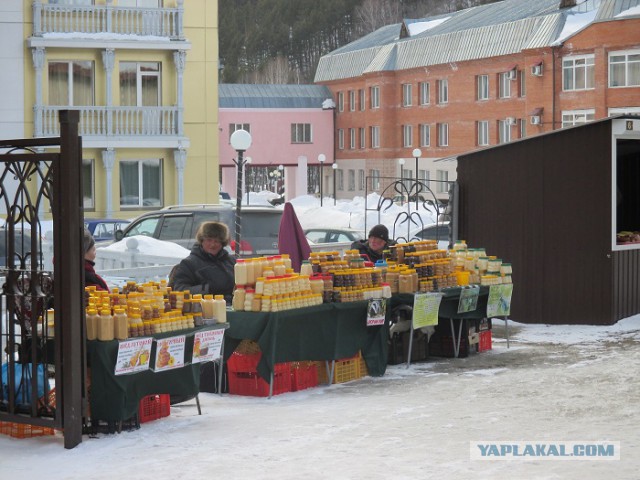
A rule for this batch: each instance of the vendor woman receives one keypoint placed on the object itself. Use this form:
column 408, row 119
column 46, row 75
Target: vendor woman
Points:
column 209, row 267
column 91, row 278
column 375, row 244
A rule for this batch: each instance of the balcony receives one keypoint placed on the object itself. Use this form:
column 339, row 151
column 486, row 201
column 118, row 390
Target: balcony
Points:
column 129, row 123
column 165, row 23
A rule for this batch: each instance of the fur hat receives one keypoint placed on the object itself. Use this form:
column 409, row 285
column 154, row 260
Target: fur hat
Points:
column 216, row 230
column 88, row 240
column 379, row 231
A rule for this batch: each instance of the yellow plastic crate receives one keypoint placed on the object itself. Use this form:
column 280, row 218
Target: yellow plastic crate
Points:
column 346, row 370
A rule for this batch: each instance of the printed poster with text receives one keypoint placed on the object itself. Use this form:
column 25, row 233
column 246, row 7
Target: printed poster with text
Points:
column 376, row 312
column 499, row 302
column 207, row 345
column 133, row 356
column 170, row 353
column 425, row 309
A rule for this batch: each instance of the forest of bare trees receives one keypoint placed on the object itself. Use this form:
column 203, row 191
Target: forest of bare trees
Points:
column 281, row 41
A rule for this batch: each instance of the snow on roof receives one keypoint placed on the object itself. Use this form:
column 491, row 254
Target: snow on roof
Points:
column 106, row 36
column 574, row 23
column 417, row 28
column 630, row 12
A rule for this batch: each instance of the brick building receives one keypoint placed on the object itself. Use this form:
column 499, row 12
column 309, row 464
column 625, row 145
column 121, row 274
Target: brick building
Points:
column 477, row 77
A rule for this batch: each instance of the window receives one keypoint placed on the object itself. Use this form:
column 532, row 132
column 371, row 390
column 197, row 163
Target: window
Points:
column 375, row 137
column 443, row 134
column 523, row 84
column 504, row 131
column 504, row 85
column 141, row 183
column 361, row 179
column 424, row 176
column 301, row 133
column 375, row 179
column 352, row 138
column 363, row 138
column 71, row 83
column 341, row 101
column 425, row 135
column 443, row 177
column 624, row 111
column 374, row 94
column 578, row 73
column 483, row 133
column 407, row 135
column 362, row 100
column 140, row 84
column 341, row 139
column 88, row 181
column 352, row 100
column 482, row 85
column 407, row 92
column 351, row 180
column 523, row 127
column 575, row 117
column 425, row 93
column 443, row 91
column 340, row 179
column 624, row 69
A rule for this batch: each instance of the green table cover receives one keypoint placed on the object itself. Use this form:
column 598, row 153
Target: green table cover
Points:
column 330, row 331
column 449, row 303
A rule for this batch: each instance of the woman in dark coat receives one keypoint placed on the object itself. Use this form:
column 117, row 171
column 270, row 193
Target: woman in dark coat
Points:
column 377, row 241
column 91, row 278
column 209, row 267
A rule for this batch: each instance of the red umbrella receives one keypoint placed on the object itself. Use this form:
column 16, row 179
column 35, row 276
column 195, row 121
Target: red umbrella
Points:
column 291, row 238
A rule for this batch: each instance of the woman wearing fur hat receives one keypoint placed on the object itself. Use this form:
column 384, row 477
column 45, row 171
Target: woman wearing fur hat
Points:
column 209, row 268
column 375, row 244
column 91, row 278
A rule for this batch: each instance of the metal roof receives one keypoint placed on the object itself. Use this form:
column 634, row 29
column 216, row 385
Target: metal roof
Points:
column 272, row 96
column 492, row 30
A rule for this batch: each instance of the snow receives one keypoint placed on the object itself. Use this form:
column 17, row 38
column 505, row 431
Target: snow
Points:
column 103, row 36
column 148, row 245
column 555, row 383
column 574, row 23
column 418, row 27
column 629, row 12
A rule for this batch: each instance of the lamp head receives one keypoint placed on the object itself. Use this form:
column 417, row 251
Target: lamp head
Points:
column 401, row 161
column 334, row 166
column 417, row 153
column 322, row 157
column 240, row 140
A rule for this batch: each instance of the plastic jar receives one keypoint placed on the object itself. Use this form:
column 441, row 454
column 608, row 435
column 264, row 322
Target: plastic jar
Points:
column 92, row 324
column 220, row 309
column 120, row 324
column 240, row 272
column 105, row 326
column 208, row 306
column 238, row 298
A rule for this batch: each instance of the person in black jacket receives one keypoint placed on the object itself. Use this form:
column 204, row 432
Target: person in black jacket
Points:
column 209, row 267
column 91, row 278
column 375, row 244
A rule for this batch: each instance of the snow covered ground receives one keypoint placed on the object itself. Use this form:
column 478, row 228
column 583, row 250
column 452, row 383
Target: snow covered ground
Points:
column 555, row 383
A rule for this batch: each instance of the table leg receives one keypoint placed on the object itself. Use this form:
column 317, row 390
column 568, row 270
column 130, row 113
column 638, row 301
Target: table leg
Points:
column 198, row 405
column 506, row 328
column 330, row 370
column 456, row 342
column 271, row 385
column 410, row 346
column 220, row 368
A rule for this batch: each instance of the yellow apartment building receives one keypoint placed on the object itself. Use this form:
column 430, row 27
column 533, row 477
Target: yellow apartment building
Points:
column 143, row 75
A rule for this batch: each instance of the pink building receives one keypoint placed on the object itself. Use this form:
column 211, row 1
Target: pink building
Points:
column 291, row 128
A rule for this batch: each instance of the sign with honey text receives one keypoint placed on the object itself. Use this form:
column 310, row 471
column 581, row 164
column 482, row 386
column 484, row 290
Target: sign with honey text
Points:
column 170, row 353
column 207, row 345
column 499, row 302
column 468, row 299
column 425, row 309
column 376, row 312
column 133, row 356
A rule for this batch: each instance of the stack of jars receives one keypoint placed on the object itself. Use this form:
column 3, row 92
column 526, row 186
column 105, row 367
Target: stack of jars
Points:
column 275, row 293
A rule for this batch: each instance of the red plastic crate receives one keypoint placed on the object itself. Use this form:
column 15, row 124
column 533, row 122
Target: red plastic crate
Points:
column 303, row 375
column 244, row 378
column 485, row 341
column 153, row 407
column 24, row 430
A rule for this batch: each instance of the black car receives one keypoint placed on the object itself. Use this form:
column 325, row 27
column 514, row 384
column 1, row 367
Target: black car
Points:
column 179, row 224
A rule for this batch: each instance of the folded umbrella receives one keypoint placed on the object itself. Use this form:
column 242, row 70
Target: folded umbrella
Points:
column 291, row 238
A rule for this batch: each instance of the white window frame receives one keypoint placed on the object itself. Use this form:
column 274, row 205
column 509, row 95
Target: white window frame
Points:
column 70, row 84
column 361, row 179
column 583, row 64
column 352, row 138
column 442, row 176
column 425, row 93
column 374, row 136
column 523, row 127
column 340, row 101
column 375, row 179
column 351, row 180
column 482, row 86
column 340, row 179
column 363, row 99
column 634, row 62
column 341, row 138
column 301, row 133
column 352, row 100
column 504, row 85
column 363, row 138
column 140, row 74
column 141, row 182
column 523, row 83
column 89, row 202
column 374, row 94
column 504, row 132
column 443, row 134
column 577, row 117
column 407, row 135
column 425, row 135
column 238, row 126
column 483, row 133
column 443, row 91
column 407, row 94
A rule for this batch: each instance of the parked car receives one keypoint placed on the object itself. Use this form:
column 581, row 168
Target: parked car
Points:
column 104, row 229
column 333, row 235
column 22, row 246
column 179, row 224
column 437, row 231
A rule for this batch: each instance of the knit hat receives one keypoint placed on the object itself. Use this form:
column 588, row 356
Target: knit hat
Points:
column 379, row 231
column 88, row 240
column 216, row 230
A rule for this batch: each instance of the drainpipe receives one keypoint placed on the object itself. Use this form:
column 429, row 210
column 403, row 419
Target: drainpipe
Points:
column 553, row 89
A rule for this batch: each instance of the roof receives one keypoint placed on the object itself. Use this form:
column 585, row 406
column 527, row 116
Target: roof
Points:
column 501, row 28
column 272, row 96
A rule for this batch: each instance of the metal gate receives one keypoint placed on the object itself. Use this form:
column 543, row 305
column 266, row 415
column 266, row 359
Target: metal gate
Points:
column 43, row 359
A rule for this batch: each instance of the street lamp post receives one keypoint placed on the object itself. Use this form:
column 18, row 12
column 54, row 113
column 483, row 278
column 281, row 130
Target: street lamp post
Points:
column 240, row 141
column 401, row 163
column 280, row 185
column 334, row 167
column 417, row 153
column 321, row 159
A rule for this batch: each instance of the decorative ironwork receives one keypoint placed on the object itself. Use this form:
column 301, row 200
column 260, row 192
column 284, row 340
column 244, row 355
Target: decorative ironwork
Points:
column 417, row 197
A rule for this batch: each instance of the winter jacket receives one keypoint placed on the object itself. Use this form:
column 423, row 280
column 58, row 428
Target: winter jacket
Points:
column 203, row 273
column 91, row 278
column 363, row 248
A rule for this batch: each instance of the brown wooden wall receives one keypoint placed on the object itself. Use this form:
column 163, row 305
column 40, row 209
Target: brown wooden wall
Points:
column 544, row 205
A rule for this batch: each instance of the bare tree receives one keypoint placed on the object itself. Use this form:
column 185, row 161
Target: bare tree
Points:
column 276, row 71
column 373, row 14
